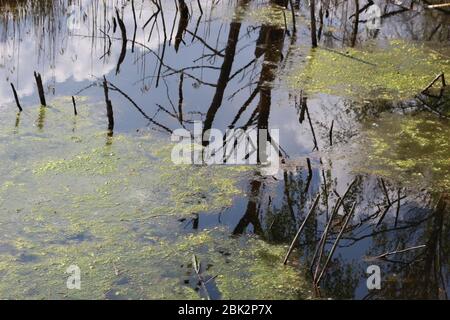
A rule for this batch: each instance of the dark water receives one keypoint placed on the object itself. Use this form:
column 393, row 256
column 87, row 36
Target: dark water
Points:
column 232, row 67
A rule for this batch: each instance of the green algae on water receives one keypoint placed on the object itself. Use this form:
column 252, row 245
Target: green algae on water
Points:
column 413, row 150
column 398, row 71
column 71, row 195
column 273, row 15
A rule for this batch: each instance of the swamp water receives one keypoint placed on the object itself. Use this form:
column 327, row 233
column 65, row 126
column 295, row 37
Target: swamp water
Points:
column 137, row 225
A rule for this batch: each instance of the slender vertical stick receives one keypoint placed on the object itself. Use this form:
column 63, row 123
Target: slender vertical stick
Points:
column 74, row 106
column 294, row 241
column 109, row 108
column 38, row 78
column 16, row 97
column 313, row 23
column 331, row 133
column 316, row 146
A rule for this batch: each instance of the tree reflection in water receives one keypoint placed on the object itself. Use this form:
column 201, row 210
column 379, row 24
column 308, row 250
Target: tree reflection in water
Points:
column 219, row 66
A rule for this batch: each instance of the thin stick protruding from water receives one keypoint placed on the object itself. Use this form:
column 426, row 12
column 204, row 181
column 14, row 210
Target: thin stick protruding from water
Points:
column 16, row 97
column 333, row 249
column 40, row 87
column 109, row 108
column 294, row 241
column 74, row 106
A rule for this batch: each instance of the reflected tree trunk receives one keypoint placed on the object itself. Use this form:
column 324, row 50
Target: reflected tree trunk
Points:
column 251, row 214
column 225, row 71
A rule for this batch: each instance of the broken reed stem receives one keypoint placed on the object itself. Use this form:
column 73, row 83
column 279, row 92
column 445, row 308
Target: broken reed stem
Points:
column 439, row 76
column 74, row 106
column 294, row 241
column 316, row 146
column 321, row 245
column 109, row 108
column 16, row 97
column 323, row 239
column 333, row 249
column 40, row 87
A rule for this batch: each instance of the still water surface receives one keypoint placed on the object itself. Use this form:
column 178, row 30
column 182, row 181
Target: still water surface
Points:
column 116, row 206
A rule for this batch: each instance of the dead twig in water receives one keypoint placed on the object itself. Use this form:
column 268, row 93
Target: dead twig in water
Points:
column 323, row 239
column 316, row 146
column 109, row 108
column 440, row 76
column 16, row 97
column 321, row 244
column 40, row 86
column 115, row 88
column 294, row 241
column 74, row 106
column 333, row 249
